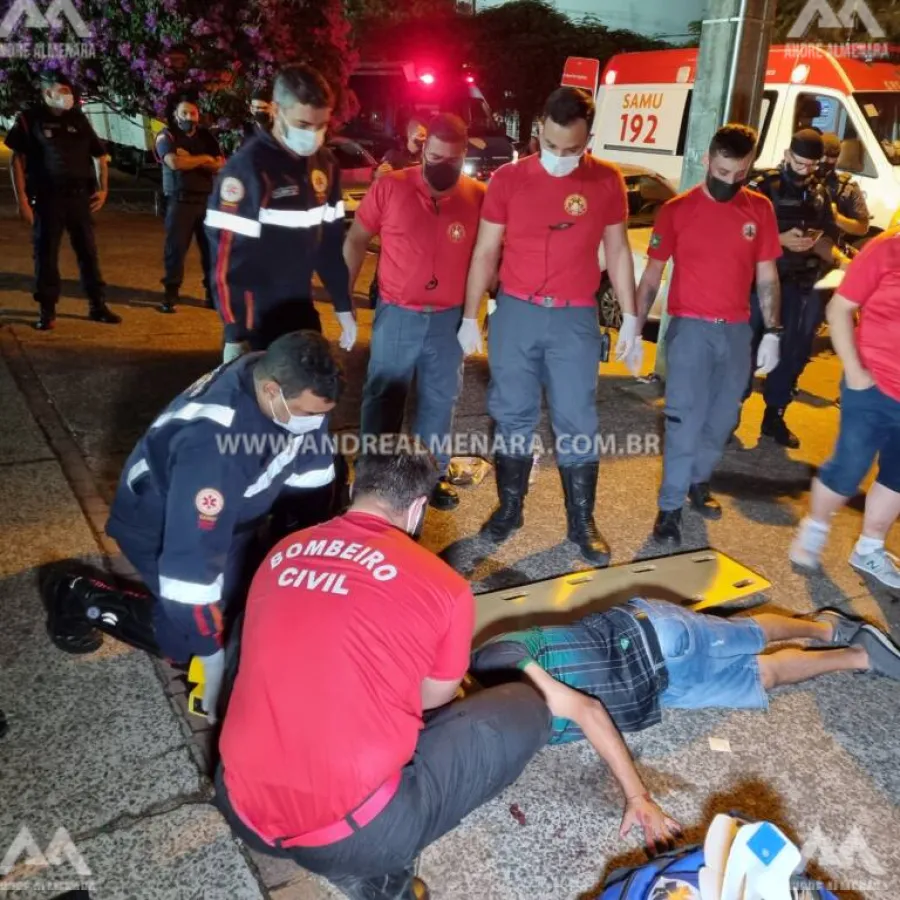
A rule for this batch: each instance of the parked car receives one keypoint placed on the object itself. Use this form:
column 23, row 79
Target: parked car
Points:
column 647, row 191
column 357, row 170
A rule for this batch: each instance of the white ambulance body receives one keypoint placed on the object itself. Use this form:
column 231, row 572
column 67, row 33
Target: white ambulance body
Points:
column 644, row 99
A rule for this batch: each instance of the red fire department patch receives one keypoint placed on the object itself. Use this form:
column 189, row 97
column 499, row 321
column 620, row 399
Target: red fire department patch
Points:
column 209, row 503
column 576, row 205
column 749, row 231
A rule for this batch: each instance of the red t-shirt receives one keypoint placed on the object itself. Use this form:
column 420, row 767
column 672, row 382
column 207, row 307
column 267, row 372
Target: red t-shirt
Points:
column 539, row 256
column 343, row 622
column 872, row 281
column 714, row 248
column 422, row 238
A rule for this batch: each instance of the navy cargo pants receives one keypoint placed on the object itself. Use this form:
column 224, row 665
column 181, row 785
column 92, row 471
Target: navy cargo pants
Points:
column 555, row 348
column 185, row 214
column 707, row 366
column 802, row 312
column 58, row 210
column 409, row 343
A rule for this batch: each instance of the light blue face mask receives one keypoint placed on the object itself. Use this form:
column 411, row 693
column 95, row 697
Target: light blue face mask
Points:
column 295, row 424
column 302, row 141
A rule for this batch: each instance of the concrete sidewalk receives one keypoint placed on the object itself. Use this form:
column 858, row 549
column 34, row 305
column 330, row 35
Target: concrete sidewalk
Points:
column 95, row 745
column 98, row 744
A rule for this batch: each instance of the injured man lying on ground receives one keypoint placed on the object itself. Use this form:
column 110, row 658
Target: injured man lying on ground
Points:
column 615, row 671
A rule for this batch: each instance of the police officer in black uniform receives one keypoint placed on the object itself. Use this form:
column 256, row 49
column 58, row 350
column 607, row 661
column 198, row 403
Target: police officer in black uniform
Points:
column 59, row 176
column 260, row 121
column 809, row 237
column 847, row 201
column 190, row 157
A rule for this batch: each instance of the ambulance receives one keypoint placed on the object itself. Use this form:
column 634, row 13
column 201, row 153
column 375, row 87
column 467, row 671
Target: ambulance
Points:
column 644, row 103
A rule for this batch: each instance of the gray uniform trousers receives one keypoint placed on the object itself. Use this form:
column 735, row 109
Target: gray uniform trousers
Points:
column 530, row 347
column 707, row 365
column 407, row 343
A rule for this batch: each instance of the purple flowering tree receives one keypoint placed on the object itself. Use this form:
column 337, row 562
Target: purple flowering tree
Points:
column 141, row 52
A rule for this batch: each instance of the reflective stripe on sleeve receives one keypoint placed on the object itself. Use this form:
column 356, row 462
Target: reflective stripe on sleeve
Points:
column 334, row 212
column 135, row 472
column 189, row 592
column 215, row 218
column 224, row 415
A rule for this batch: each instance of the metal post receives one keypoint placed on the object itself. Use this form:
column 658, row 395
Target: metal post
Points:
column 728, row 87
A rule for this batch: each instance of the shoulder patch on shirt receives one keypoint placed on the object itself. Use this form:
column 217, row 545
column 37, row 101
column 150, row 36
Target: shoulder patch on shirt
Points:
column 655, row 240
column 749, row 230
column 209, row 503
column 232, row 190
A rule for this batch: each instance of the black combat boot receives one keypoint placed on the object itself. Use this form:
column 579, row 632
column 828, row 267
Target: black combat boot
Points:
column 81, row 606
column 171, row 299
column 512, row 474
column 580, row 488
column 773, row 426
column 668, row 526
column 402, row 886
column 47, row 318
column 444, row 496
column 704, row 502
column 100, row 312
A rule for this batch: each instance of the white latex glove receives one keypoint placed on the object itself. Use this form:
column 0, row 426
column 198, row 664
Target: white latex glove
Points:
column 628, row 337
column 233, row 350
column 635, row 359
column 768, row 354
column 214, row 673
column 469, row 337
column 348, row 330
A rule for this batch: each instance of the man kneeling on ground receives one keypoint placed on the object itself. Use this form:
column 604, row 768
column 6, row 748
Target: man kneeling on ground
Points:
column 341, row 748
column 614, row 671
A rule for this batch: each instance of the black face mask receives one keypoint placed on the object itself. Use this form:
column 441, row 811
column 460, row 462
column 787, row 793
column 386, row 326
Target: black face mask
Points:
column 186, row 124
column 442, row 176
column 263, row 119
column 798, row 179
column 722, row 191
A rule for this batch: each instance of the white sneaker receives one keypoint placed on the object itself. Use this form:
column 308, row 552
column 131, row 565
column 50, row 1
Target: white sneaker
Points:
column 881, row 565
column 806, row 549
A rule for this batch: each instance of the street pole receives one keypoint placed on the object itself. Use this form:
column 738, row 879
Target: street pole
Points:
column 728, row 88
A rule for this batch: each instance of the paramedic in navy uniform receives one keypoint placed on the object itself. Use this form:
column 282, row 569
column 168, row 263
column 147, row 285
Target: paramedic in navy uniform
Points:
column 276, row 216
column 193, row 494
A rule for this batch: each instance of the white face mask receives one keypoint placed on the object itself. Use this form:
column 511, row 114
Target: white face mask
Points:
column 302, row 141
column 296, row 424
column 559, row 166
column 61, row 101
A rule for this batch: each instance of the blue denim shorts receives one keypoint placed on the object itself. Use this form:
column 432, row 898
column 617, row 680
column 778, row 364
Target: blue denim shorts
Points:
column 870, row 427
column 712, row 662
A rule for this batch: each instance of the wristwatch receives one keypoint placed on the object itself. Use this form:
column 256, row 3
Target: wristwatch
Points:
column 777, row 330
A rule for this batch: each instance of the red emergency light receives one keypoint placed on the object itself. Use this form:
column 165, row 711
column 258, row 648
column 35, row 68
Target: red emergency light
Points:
column 470, row 79
column 427, row 78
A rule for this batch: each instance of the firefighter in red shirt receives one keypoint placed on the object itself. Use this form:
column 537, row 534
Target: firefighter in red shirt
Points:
column 340, row 747
column 550, row 213
column 708, row 343
column 870, row 413
column 427, row 217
